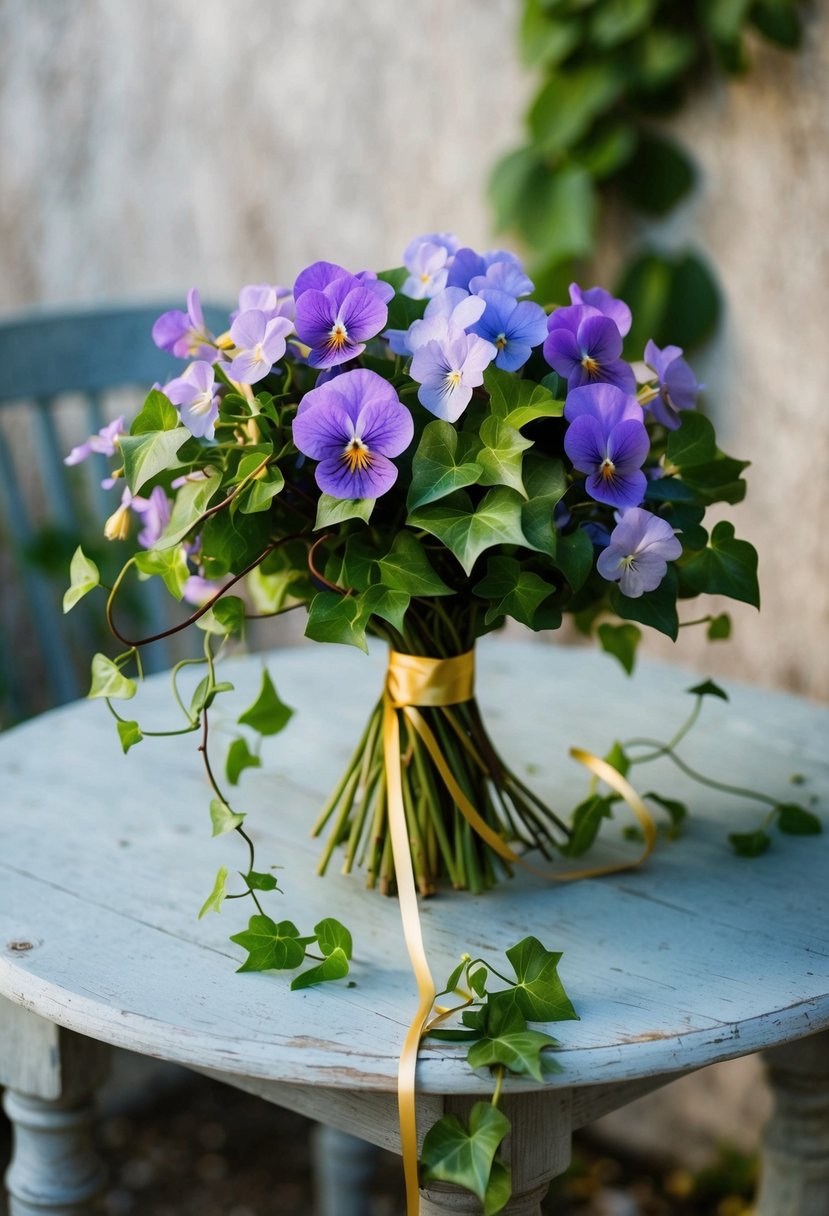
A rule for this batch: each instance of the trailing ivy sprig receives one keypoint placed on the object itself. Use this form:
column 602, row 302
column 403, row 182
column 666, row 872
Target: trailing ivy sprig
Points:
column 495, row 1024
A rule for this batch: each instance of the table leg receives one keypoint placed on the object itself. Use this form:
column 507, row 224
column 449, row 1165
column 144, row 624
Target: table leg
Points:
column 795, row 1169
column 50, row 1076
column 342, row 1169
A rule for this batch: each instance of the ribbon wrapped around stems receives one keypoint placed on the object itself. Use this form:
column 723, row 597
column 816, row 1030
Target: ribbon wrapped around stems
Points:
column 414, row 682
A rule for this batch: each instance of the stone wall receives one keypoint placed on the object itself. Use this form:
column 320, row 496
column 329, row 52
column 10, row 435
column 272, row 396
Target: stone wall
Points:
column 150, row 146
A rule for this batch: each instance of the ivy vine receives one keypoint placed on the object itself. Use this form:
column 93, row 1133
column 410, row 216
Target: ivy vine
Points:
column 609, row 71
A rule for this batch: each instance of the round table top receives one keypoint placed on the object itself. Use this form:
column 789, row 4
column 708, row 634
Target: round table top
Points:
column 696, row 957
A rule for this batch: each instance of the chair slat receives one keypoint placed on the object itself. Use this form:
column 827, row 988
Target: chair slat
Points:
column 52, row 469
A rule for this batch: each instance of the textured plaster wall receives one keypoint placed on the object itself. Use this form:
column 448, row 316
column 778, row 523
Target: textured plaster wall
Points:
column 150, row 146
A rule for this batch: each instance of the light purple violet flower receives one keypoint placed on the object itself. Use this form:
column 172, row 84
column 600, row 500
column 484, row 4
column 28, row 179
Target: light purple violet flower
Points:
column 513, row 328
column 584, row 347
column 198, row 589
column 605, row 303
column 154, row 513
column 468, row 264
column 678, row 387
column 105, row 442
column 259, row 343
column 428, row 266
column 607, row 440
column 641, row 545
column 448, row 367
column 273, row 300
column 447, row 241
column 337, row 320
column 453, row 306
column 503, row 276
column 352, row 425
column 194, row 394
column 184, row 334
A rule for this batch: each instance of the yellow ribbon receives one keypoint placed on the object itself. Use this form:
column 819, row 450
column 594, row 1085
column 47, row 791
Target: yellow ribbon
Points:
column 412, row 681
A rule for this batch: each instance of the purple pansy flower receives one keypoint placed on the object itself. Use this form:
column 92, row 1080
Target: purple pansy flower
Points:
column 320, row 275
column 184, row 334
column 448, row 367
column 641, row 545
column 452, row 306
column 513, row 328
column 194, row 394
column 678, row 387
column 584, row 347
column 271, row 299
column 259, row 343
column 428, row 266
column 105, row 442
column 607, row 440
column 468, row 264
column 503, row 276
column 154, row 513
column 337, row 320
column 352, row 425
column 605, row 303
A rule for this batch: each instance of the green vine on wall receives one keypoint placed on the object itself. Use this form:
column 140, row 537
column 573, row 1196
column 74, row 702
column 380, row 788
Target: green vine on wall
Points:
column 610, row 70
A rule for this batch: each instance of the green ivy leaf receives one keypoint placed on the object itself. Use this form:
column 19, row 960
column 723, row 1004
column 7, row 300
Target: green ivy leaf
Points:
column 239, row 757
column 156, row 414
column 574, row 558
column 337, row 618
column 268, row 714
column 693, row 443
column 621, row 642
column 545, row 482
column 407, row 568
column 499, row 1190
column 451, row 1153
column 260, row 882
column 332, row 511
column 539, row 991
column 150, row 453
column 512, row 591
column 216, row 898
column 586, row 822
column 502, row 454
column 795, row 820
column 750, row 844
column 334, row 967
column 519, row 1051
column 719, row 628
column 170, row 564
column 445, row 460
column 708, row 689
column 565, row 108
column 655, row 608
column 223, row 818
column 129, row 733
column 228, row 615
column 659, row 174
column 726, row 567
column 107, row 680
column 468, row 532
column 261, row 492
column 558, row 217
column 83, row 578
column 331, row 936
column 354, row 568
column 616, row 21
column 386, row 603
column 191, row 502
column 677, row 811
column 517, row 402
column 205, row 693
column 270, row 946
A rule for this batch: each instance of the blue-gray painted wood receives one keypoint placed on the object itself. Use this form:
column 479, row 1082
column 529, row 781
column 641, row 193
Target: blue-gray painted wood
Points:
column 45, row 355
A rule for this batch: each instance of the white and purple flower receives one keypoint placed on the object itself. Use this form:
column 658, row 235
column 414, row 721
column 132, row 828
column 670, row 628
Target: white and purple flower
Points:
column 352, row 425
column 195, row 394
column 184, row 334
column 259, row 342
column 448, row 367
column 513, row 328
column 641, row 545
column 104, row 442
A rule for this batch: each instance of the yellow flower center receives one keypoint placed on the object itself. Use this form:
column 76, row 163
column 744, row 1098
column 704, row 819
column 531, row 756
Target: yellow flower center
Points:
column 337, row 337
column 202, row 403
column 453, row 379
column 607, row 468
column 356, row 455
column 501, row 341
column 590, row 366
column 424, row 278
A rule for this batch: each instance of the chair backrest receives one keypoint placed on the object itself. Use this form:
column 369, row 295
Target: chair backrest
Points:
column 62, row 376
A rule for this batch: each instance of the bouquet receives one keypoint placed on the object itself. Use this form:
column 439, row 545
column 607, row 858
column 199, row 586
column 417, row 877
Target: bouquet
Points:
column 418, row 456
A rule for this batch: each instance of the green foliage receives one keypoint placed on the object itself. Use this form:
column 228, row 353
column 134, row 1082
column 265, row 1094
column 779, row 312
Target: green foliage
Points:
column 331, row 511
column 157, row 414
column 445, row 460
column 468, row 531
column 108, row 681
column 223, row 818
column 129, row 734
column 239, row 757
column 512, row 591
column 407, row 568
column 465, row 1156
column 150, row 453
column 217, row 896
column 337, row 618
column 170, row 564
column 727, row 566
column 750, row 844
column 192, row 500
column 268, row 714
column 795, row 820
column 605, row 70
column 620, row 641
column 83, row 578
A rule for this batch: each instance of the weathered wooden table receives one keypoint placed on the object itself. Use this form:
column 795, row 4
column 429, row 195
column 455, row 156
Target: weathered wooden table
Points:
column 697, row 957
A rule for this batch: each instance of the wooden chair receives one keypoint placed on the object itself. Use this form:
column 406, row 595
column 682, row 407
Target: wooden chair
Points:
column 62, row 376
